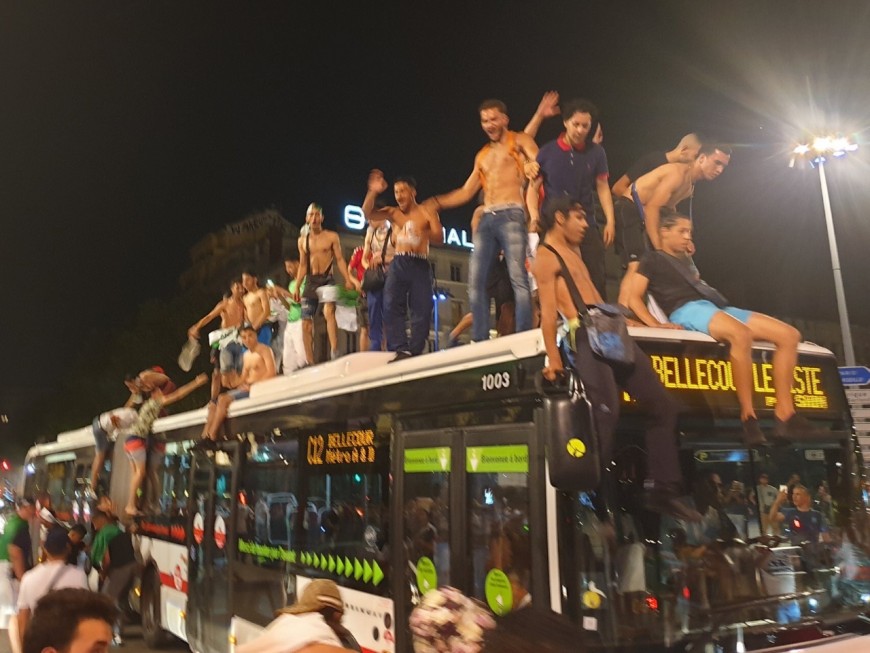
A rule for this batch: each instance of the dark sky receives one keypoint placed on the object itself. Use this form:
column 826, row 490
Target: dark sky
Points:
column 128, row 130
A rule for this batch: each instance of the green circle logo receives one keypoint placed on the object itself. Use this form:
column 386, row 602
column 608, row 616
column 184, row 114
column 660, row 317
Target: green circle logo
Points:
column 576, row 448
column 499, row 596
column 427, row 575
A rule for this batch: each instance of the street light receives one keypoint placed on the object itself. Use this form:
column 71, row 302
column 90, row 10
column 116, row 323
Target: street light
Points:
column 816, row 153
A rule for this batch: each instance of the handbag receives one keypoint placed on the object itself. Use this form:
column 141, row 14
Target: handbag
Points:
column 605, row 326
column 707, row 292
column 375, row 277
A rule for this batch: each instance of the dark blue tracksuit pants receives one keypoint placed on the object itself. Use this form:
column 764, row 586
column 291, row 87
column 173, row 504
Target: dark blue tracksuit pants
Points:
column 409, row 286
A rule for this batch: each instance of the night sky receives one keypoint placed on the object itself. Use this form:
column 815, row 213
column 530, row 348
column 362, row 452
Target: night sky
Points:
column 130, row 130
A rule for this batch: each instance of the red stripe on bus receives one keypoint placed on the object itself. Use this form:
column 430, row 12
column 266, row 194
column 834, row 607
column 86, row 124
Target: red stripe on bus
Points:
column 169, row 581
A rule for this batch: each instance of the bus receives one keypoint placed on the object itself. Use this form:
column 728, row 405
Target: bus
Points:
column 395, row 478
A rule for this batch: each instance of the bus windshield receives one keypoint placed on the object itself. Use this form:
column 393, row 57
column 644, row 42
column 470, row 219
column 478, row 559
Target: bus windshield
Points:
column 780, row 545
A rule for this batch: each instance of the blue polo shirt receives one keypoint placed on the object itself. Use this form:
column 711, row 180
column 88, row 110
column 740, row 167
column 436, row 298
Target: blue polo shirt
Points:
column 572, row 171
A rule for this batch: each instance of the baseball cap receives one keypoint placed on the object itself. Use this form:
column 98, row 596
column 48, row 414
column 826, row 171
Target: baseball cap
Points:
column 24, row 502
column 318, row 594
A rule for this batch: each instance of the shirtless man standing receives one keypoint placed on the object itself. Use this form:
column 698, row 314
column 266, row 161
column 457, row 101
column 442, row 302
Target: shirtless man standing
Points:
column 226, row 349
column 638, row 210
column 501, row 169
column 319, row 250
column 409, row 283
column 258, row 364
column 257, row 308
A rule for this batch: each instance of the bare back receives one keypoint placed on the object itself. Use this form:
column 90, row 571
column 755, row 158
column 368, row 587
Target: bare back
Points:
column 675, row 177
column 322, row 250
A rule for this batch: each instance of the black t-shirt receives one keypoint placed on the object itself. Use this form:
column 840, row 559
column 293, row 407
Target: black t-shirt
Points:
column 646, row 163
column 22, row 541
column 668, row 287
column 121, row 550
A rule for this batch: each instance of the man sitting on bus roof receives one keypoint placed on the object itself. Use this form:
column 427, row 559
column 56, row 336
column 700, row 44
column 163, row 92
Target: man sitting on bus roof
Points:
column 670, row 277
column 564, row 223
column 258, row 364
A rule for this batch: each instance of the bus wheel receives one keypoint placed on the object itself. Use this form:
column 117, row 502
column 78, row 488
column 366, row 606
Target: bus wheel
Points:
column 152, row 632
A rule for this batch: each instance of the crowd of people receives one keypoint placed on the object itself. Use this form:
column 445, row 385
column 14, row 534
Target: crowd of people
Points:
column 61, row 558
column 539, row 229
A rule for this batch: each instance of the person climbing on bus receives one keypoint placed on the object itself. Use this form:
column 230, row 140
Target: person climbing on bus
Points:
column 691, row 304
column 258, row 364
column 106, row 427
column 136, row 445
column 563, row 223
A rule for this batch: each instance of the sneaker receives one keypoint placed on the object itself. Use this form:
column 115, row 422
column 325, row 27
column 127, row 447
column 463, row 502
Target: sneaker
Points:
column 795, row 427
column 401, row 355
column 205, row 444
column 666, row 499
column 117, row 641
column 752, row 434
column 334, row 355
column 90, row 495
column 453, row 342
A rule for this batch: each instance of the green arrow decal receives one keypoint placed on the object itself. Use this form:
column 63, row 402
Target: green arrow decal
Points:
column 348, row 568
column 331, row 564
column 367, row 571
column 291, row 557
column 316, row 561
column 323, row 562
column 340, row 566
column 378, row 574
column 357, row 569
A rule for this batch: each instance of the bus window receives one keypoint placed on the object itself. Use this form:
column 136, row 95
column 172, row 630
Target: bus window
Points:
column 269, row 504
column 427, row 514
column 168, row 493
column 498, row 501
column 666, row 577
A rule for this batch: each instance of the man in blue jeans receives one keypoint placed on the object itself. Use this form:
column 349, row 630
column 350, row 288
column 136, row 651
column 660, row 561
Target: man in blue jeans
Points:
column 501, row 169
column 409, row 283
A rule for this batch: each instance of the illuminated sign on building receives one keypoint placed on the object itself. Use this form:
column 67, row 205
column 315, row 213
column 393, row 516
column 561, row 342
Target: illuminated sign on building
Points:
column 355, row 220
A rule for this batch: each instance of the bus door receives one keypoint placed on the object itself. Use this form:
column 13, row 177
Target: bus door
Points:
column 472, row 503
column 210, row 538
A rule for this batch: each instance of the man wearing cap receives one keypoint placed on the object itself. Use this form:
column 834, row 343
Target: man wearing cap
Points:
column 314, row 619
column 54, row 573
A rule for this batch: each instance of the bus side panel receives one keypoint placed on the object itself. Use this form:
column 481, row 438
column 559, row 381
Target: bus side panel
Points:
column 170, row 561
column 119, row 485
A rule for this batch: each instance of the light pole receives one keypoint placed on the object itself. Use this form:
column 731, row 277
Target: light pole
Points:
column 817, row 153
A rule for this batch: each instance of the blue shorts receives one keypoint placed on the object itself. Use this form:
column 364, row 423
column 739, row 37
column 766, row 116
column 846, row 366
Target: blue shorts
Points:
column 101, row 438
column 696, row 316
column 239, row 394
column 264, row 334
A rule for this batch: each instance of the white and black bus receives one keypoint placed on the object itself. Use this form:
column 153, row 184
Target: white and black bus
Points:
column 392, row 479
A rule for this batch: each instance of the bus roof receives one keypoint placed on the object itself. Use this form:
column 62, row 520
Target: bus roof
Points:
column 364, row 370
column 83, row 437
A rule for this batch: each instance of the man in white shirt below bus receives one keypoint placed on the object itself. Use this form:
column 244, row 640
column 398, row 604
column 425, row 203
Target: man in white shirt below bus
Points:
column 671, row 279
column 258, row 364
column 53, row 574
column 314, row 619
column 564, row 223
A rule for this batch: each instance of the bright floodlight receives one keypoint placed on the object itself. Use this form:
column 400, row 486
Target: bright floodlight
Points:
column 821, row 146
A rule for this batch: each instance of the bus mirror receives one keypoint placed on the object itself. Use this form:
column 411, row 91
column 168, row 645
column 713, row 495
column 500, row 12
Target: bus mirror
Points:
column 571, row 443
